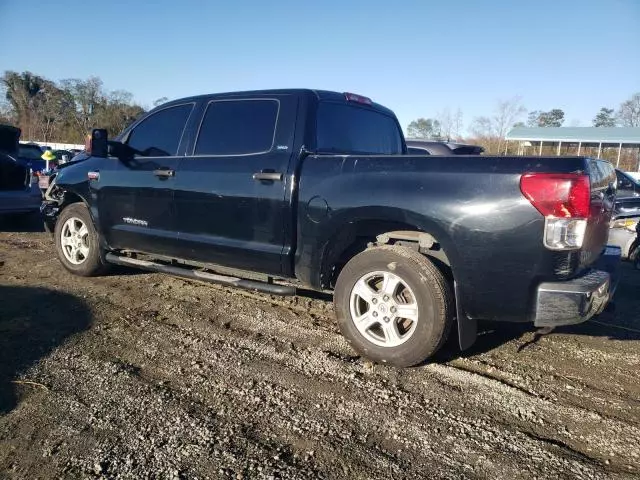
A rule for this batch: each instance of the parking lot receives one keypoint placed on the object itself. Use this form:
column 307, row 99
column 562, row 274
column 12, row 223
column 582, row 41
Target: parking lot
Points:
column 138, row 375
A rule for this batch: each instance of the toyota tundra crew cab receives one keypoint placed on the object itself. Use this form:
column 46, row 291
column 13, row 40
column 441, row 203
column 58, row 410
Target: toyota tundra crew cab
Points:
column 270, row 190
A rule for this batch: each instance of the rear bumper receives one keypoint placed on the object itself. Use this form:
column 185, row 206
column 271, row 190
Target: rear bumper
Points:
column 575, row 301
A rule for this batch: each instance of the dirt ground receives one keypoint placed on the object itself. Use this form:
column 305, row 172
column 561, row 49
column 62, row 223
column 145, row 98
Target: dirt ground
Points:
column 138, row 375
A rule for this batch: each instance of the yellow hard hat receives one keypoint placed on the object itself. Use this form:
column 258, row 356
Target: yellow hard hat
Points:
column 48, row 155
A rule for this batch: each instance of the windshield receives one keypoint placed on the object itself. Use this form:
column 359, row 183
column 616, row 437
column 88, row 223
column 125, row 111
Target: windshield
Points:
column 29, row 152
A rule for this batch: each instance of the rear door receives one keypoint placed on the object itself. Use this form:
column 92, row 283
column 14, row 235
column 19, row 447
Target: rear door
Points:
column 136, row 206
column 231, row 193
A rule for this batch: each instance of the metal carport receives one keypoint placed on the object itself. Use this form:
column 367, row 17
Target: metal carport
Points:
column 620, row 137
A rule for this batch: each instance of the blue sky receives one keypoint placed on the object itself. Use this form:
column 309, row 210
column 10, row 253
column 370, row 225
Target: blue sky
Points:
column 416, row 57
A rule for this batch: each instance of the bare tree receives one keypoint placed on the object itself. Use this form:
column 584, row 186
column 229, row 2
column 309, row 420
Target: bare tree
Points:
column 445, row 119
column 458, row 124
column 424, row 128
column 494, row 129
column 87, row 95
column 49, row 108
column 629, row 112
column 450, row 123
column 506, row 114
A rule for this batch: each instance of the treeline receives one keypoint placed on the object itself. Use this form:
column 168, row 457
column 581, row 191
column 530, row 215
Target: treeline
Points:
column 490, row 131
column 63, row 111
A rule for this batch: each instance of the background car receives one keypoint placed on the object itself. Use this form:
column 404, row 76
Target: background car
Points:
column 19, row 194
column 29, row 154
column 63, row 156
column 45, row 177
column 628, row 186
column 624, row 224
column 437, row 147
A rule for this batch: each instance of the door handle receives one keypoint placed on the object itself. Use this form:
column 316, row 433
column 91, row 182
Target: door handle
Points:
column 268, row 176
column 164, row 172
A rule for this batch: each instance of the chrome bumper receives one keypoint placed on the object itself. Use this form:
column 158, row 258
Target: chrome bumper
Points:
column 575, row 301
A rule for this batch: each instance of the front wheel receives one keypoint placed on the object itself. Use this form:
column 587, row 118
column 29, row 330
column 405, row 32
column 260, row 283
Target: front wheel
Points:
column 77, row 242
column 393, row 305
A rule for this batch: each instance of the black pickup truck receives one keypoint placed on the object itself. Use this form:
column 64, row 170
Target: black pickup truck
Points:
column 270, row 190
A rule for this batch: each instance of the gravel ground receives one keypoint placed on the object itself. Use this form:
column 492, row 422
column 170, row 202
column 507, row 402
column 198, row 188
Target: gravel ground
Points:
column 137, row 375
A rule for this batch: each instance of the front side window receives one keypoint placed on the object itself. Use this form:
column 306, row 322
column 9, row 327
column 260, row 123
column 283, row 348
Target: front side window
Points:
column 159, row 134
column 344, row 128
column 238, row 127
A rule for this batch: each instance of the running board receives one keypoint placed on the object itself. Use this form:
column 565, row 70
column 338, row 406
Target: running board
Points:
column 255, row 285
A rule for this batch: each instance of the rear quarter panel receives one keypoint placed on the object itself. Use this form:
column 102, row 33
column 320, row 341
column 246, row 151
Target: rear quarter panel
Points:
column 472, row 205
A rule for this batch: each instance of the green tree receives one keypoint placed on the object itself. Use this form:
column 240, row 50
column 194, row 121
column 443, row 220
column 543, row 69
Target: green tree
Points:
column 629, row 112
column 604, row 118
column 552, row 118
column 532, row 118
column 424, row 128
column 21, row 90
column 50, row 107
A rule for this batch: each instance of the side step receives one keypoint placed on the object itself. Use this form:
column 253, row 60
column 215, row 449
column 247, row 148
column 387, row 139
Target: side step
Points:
column 255, row 285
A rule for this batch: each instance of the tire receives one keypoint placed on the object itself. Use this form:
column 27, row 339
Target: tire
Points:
column 80, row 254
column 413, row 286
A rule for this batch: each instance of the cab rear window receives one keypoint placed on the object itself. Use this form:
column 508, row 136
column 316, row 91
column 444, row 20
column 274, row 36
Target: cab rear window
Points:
column 350, row 129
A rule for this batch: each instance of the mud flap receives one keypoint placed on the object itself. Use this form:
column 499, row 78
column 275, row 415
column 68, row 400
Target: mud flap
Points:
column 467, row 327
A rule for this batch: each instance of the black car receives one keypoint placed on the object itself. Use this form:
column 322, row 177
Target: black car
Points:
column 437, row 147
column 29, row 154
column 627, row 185
column 60, row 155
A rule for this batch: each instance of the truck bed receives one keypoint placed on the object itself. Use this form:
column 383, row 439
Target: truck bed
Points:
column 472, row 205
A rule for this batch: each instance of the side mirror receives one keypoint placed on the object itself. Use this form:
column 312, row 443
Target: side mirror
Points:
column 96, row 144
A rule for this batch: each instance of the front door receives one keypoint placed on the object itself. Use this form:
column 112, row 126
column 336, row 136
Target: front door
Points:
column 140, row 212
column 231, row 194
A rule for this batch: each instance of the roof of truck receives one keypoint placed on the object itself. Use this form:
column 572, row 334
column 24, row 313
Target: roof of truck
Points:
column 319, row 94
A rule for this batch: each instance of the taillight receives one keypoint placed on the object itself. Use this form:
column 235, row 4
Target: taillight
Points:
column 565, row 201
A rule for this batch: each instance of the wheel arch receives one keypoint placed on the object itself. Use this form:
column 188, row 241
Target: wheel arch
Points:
column 351, row 238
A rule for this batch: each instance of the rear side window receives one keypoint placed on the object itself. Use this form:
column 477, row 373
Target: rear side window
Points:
column 159, row 134
column 238, row 127
column 602, row 173
column 343, row 128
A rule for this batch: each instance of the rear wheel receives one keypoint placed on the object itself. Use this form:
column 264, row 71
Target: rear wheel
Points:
column 393, row 305
column 77, row 242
